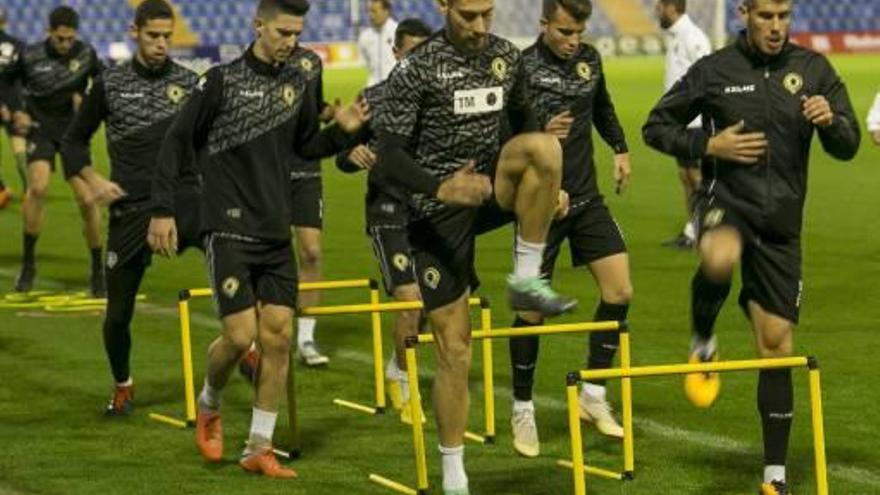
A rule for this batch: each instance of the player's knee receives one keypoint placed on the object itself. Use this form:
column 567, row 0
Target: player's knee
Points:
column 310, row 255
column 718, row 264
column 775, row 342
column 622, row 294
column 410, row 321
column 239, row 341
column 545, row 152
column 454, row 354
column 38, row 190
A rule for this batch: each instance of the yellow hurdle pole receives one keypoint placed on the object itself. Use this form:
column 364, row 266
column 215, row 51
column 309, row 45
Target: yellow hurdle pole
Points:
column 168, row 420
column 186, row 353
column 353, row 309
column 392, row 485
column 818, row 428
column 415, row 405
column 193, row 293
column 594, row 471
column 378, row 357
column 684, row 369
column 627, row 406
column 577, row 442
column 305, row 286
column 488, row 372
column 506, row 333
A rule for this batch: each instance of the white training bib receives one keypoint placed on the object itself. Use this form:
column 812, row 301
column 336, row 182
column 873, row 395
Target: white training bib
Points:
column 482, row 100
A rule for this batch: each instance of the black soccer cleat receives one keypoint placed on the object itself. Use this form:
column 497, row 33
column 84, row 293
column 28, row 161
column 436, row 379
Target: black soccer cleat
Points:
column 25, row 280
column 97, row 284
column 682, row 242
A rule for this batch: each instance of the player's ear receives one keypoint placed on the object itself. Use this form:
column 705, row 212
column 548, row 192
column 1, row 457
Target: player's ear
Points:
column 258, row 26
column 443, row 6
column 544, row 25
column 133, row 31
column 743, row 13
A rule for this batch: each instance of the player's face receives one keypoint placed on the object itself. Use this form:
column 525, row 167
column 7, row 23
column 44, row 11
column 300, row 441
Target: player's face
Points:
column 378, row 14
column 153, row 40
column 468, row 23
column 406, row 45
column 62, row 39
column 277, row 37
column 768, row 24
column 666, row 14
column 562, row 33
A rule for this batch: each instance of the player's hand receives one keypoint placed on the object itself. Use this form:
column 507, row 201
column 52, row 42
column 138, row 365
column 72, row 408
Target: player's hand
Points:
column 363, row 157
column 22, row 123
column 5, row 115
column 622, row 172
column 465, row 188
column 563, row 205
column 162, row 236
column 560, row 125
column 733, row 145
column 329, row 111
column 817, row 110
column 353, row 117
column 106, row 191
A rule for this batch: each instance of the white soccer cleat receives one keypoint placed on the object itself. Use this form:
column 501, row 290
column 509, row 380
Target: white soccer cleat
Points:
column 311, row 356
column 598, row 412
column 525, row 433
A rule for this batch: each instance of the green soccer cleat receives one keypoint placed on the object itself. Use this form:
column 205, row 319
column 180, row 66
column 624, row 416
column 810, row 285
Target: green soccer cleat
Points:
column 533, row 294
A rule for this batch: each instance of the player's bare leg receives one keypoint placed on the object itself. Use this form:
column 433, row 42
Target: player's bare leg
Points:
column 308, row 249
column 451, row 326
column 39, row 173
column 91, row 217
column 774, row 339
column 720, row 251
column 406, row 324
column 690, row 176
column 527, row 182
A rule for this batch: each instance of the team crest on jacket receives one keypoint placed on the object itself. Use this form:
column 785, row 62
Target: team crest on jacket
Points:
column 175, row 93
column 499, row 68
column 713, row 218
column 793, row 82
column 74, row 65
column 306, row 65
column 288, row 94
column 584, row 71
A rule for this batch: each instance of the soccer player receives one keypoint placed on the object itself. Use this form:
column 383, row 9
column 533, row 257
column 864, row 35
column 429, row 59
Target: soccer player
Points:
column 137, row 101
column 54, row 75
column 764, row 97
column 387, row 219
column 10, row 51
column 569, row 91
column 244, row 120
column 376, row 42
column 874, row 120
column 685, row 44
column 440, row 138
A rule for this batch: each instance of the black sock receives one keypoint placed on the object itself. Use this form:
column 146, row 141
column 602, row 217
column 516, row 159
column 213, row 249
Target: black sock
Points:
column 122, row 288
column 97, row 264
column 776, row 405
column 30, row 248
column 603, row 345
column 707, row 298
column 523, row 360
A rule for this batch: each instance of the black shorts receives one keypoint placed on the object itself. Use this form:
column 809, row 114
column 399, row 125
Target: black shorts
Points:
column 43, row 146
column 592, row 235
column 443, row 250
column 129, row 223
column 307, row 202
column 771, row 265
column 245, row 272
column 392, row 249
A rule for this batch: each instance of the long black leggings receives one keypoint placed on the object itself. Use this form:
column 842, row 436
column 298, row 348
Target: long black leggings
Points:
column 123, row 283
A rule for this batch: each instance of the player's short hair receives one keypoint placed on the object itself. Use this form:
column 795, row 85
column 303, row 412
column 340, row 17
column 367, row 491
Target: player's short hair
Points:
column 750, row 4
column 271, row 8
column 63, row 16
column 411, row 27
column 149, row 10
column 386, row 4
column 581, row 10
column 680, row 5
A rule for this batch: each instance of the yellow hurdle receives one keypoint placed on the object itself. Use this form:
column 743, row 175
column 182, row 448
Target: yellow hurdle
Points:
column 487, row 334
column 579, row 469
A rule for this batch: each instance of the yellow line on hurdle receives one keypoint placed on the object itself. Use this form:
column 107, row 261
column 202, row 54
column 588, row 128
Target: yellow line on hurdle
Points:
column 684, row 369
column 488, row 378
column 168, row 420
column 350, row 309
column 417, row 428
column 355, row 406
column 393, row 485
column 74, row 309
column 378, row 356
column 305, row 286
column 603, row 473
column 473, row 437
column 818, row 432
column 506, row 333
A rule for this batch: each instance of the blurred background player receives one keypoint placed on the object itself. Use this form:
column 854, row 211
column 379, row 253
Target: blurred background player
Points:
column 245, row 119
column 874, row 120
column 685, row 44
column 569, row 91
column 54, row 75
column 136, row 101
column 386, row 219
column 376, row 41
column 10, row 51
column 767, row 97
column 440, row 138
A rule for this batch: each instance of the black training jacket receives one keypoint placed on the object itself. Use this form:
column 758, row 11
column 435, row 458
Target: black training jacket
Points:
column 737, row 84
column 10, row 52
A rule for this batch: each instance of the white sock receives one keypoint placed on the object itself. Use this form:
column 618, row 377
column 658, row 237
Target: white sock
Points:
column 305, row 330
column 209, row 398
column 454, row 477
column 690, row 231
column 523, row 405
column 392, row 370
column 403, row 380
column 126, row 383
column 253, row 346
column 528, row 257
column 262, row 428
column 774, row 473
column 593, row 391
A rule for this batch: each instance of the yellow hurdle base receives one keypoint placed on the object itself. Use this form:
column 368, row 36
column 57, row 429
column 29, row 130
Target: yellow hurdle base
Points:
column 594, row 471
column 393, row 485
column 357, row 407
column 168, row 420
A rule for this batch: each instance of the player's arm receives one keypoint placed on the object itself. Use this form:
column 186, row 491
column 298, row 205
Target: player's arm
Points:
column 14, row 100
column 874, row 120
column 359, row 156
column 666, row 128
column 520, row 111
column 311, row 142
column 832, row 113
column 607, row 123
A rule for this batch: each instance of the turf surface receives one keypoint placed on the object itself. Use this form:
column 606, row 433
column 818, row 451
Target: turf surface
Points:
column 54, row 379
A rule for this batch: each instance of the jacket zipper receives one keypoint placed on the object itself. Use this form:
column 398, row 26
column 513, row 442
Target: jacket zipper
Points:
column 767, row 124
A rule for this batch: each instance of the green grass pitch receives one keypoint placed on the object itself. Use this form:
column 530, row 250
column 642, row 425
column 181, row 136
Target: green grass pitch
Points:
column 54, row 379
